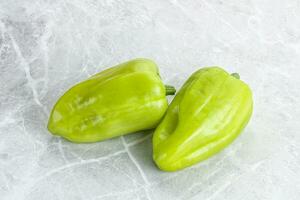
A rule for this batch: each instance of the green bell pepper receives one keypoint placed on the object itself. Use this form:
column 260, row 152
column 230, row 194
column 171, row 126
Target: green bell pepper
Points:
column 206, row 115
column 123, row 99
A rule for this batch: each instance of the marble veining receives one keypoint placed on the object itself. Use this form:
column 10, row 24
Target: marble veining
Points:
column 47, row 46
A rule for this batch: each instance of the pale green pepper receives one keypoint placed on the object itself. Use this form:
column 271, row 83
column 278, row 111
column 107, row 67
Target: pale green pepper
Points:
column 120, row 100
column 206, row 115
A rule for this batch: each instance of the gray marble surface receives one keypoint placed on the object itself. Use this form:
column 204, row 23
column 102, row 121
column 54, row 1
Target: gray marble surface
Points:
column 46, row 46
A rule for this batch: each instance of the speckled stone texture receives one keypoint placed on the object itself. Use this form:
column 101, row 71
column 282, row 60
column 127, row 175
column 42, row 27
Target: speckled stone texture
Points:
column 46, row 46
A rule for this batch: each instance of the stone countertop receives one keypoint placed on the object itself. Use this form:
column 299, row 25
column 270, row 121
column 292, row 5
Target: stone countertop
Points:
column 47, row 46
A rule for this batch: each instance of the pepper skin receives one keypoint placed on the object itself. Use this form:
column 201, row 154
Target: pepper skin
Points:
column 206, row 115
column 120, row 100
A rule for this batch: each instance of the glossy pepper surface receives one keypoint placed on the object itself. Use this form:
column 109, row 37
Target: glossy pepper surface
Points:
column 206, row 115
column 123, row 99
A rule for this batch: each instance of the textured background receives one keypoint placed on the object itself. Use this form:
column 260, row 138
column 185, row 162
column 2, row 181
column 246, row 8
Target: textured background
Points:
column 48, row 45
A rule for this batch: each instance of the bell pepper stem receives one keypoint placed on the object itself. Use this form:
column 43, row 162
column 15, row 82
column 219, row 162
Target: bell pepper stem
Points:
column 236, row 75
column 170, row 90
